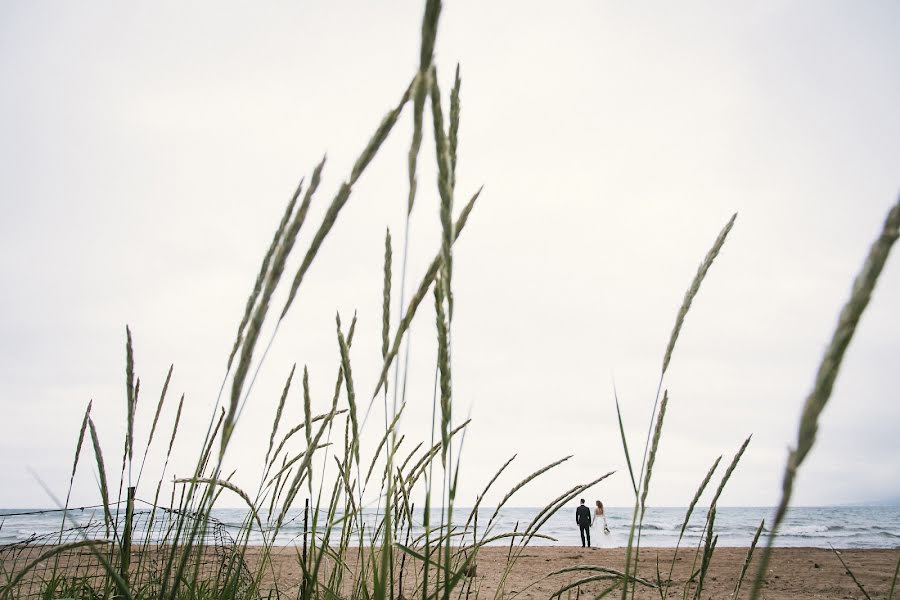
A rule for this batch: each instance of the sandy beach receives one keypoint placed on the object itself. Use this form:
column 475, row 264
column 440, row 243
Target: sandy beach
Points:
column 794, row 573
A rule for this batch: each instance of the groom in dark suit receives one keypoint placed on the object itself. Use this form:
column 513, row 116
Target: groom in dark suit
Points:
column 583, row 518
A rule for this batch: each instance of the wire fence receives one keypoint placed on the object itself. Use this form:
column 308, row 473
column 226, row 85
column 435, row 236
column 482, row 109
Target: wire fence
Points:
column 144, row 548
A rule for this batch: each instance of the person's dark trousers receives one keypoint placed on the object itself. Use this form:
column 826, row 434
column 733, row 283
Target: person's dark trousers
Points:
column 585, row 531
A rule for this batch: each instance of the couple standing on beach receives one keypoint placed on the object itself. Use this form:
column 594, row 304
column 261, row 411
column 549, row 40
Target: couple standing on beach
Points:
column 584, row 521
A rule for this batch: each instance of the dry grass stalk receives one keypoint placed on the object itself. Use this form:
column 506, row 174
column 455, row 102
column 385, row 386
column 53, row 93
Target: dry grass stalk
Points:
column 302, row 425
column 487, row 488
column 420, row 89
column 386, row 297
column 101, row 470
column 851, row 574
column 263, row 272
column 81, row 432
column 420, row 294
column 351, row 394
column 159, row 405
column 340, row 199
column 746, row 565
column 307, row 412
column 131, row 396
column 708, row 550
column 651, row 459
column 863, row 286
column 730, row 470
column 174, row 430
column 387, row 432
column 453, row 135
column 691, row 293
column 445, row 189
column 523, row 483
column 288, row 464
column 281, row 251
column 305, row 466
column 697, row 494
column 443, row 335
column 687, row 516
column 278, row 412
column 654, row 446
column 624, row 441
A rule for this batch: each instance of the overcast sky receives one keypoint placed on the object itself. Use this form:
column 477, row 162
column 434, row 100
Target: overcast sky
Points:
column 147, row 153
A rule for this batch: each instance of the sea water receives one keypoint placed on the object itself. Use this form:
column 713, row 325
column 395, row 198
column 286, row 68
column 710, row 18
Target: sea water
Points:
column 818, row 527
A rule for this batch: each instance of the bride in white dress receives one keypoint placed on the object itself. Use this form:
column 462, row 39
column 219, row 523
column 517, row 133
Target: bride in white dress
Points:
column 603, row 540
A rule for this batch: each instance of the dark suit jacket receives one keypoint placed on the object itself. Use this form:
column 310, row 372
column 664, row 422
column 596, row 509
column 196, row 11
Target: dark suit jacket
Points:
column 583, row 516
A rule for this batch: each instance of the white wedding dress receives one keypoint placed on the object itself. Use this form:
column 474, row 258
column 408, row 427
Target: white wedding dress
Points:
column 600, row 536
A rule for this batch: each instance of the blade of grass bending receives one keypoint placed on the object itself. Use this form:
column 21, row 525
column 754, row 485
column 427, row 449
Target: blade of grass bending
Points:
column 288, row 463
column 730, row 470
column 490, row 483
column 159, row 405
column 101, row 468
column 342, row 195
column 282, row 250
column 81, row 432
column 523, row 483
column 307, row 459
column 599, row 569
column 696, row 498
column 863, row 286
column 850, row 573
column 691, row 293
column 624, row 442
column 740, row 581
column 229, row 486
column 299, row 426
column 278, row 412
column 422, row 464
column 263, row 272
column 422, row 290
column 381, row 444
column 584, row 581
column 410, row 456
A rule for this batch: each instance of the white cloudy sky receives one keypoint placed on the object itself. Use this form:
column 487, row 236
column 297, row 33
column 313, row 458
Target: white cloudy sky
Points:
column 146, row 154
